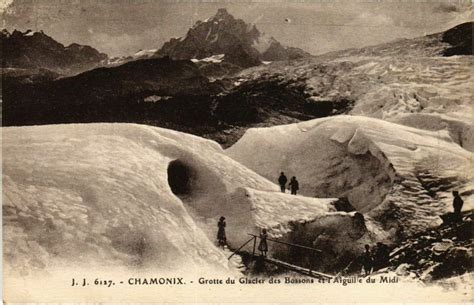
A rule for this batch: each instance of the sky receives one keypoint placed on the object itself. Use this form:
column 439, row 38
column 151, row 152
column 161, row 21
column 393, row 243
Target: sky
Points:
column 123, row 27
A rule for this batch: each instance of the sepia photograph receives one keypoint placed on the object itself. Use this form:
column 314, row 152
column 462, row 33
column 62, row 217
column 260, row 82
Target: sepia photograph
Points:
column 237, row 151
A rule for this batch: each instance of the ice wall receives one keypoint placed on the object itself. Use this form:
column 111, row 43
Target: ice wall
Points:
column 99, row 194
column 400, row 175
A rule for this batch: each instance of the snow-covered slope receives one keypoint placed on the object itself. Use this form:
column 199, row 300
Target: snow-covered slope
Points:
column 382, row 87
column 144, row 53
column 424, row 85
column 401, row 176
column 141, row 54
column 459, row 125
column 420, row 82
column 97, row 195
column 213, row 59
column 134, row 196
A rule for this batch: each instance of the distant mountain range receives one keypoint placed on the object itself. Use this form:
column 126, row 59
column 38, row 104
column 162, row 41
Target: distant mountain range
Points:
column 235, row 41
column 220, row 46
column 184, row 95
column 36, row 50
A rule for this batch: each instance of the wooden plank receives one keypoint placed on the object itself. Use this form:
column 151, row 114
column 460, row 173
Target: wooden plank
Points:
column 254, row 245
column 298, row 269
column 241, row 247
column 286, row 243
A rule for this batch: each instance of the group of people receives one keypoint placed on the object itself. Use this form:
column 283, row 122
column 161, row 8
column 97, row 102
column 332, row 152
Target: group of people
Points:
column 375, row 259
column 371, row 259
column 222, row 239
column 293, row 186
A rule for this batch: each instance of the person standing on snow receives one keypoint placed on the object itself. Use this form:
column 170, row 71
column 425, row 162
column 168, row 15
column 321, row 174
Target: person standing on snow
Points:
column 282, row 180
column 367, row 260
column 294, row 185
column 380, row 257
column 221, row 238
column 262, row 246
column 457, row 204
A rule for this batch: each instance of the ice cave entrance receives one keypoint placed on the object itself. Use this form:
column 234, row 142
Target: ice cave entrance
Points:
column 180, row 177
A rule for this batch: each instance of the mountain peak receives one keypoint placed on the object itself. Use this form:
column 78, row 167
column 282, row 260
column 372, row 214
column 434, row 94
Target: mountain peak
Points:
column 222, row 12
column 4, row 33
column 241, row 43
column 36, row 50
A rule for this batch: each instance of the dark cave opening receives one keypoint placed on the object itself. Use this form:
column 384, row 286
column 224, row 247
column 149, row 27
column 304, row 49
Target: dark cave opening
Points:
column 180, row 178
column 343, row 204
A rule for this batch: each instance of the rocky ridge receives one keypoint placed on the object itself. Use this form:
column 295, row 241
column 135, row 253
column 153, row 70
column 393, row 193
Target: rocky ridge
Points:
column 36, row 50
column 241, row 44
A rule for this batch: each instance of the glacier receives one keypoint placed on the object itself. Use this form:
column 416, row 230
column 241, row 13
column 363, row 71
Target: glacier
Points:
column 135, row 197
column 113, row 197
column 399, row 175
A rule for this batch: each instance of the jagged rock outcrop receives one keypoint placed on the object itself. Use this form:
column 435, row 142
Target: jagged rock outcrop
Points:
column 242, row 44
column 459, row 39
column 435, row 254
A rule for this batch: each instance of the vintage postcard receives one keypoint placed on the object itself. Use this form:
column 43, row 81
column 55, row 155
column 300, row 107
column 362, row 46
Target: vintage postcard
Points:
column 237, row 151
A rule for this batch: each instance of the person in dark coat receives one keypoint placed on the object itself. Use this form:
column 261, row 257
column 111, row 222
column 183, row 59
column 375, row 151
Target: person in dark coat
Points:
column 381, row 256
column 457, row 204
column 282, row 180
column 367, row 260
column 263, row 246
column 221, row 238
column 294, row 185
